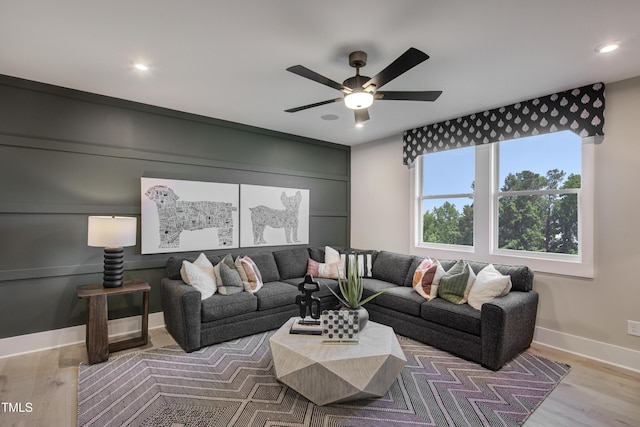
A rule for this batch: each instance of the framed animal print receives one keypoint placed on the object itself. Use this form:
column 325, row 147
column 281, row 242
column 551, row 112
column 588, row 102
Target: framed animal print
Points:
column 180, row 216
column 273, row 216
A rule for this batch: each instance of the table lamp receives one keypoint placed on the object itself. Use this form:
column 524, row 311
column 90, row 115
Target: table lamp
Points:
column 112, row 233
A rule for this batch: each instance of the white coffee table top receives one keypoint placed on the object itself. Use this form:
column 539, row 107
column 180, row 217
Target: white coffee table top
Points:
column 329, row 373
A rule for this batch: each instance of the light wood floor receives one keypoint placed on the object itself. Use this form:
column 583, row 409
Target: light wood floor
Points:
column 592, row 394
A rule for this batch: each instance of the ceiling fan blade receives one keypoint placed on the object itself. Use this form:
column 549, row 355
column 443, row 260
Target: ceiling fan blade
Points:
column 431, row 95
column 362, row 115
column 317, row 104
column 312, row 75
column 404, row 63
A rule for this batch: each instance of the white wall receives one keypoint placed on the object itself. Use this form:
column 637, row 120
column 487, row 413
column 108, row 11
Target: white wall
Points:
column 379, row 196
column 586, row 316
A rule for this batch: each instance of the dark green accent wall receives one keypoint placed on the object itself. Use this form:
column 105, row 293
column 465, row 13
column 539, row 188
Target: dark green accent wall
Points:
column 66, row 154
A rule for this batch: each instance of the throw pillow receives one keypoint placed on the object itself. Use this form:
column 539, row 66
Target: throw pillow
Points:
column 249, row 274
column 490, row 283
column 228, row 260
column 455, row 285
column 231, row 281
column 253, row 273
column 242, row 273
column 365, row 261
column 199, row 274
column 332, row 256
column 323, row 270
column 424, row 279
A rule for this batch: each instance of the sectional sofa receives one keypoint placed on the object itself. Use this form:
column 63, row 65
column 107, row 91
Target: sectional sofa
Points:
column 491, row 336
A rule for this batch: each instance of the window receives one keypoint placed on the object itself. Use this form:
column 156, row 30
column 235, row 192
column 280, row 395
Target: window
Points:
column 537, row 195
column 528, row 198
column 447, row 197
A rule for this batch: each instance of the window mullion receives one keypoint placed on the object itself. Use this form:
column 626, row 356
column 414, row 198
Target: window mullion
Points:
column 481, row 201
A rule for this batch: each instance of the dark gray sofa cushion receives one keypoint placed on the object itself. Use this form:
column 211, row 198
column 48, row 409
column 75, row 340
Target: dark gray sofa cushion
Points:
column 401, row 298
column 174, row 264
column 457, row 316
column 276, row 294
column 292, row 263
column 408, row 281
column 316, row 254
column 392, row 267
column 222, row 306
column 371, row 286
column 266, row 263
column 447, row 263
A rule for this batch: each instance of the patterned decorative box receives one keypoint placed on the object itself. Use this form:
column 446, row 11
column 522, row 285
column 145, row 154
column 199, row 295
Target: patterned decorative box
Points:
column 340, row 327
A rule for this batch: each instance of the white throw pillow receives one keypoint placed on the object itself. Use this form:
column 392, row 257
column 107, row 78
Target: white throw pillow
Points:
column 490, row 283
column 199, row 274
column 331, row 256
column 334, row 263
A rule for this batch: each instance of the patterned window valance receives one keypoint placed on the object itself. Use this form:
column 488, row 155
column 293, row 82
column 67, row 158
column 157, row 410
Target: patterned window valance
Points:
column 580, row 110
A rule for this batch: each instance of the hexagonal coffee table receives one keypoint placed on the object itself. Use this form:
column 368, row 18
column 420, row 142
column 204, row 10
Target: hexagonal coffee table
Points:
column 331, row 373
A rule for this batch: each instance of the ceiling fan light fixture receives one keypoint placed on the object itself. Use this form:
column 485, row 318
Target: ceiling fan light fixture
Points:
column 358, row 100
column 608, row 47
column 141, row 66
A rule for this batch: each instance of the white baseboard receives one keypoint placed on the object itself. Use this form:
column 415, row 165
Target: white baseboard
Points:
column 14, row 346
column 606, row 353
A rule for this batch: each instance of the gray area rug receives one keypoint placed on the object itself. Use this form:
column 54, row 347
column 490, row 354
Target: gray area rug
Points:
column 233, row 384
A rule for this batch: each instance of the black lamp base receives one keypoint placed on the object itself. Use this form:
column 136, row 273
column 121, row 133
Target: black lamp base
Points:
column 113, row 267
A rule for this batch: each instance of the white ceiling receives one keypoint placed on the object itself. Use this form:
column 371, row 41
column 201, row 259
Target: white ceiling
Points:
column 227, row 59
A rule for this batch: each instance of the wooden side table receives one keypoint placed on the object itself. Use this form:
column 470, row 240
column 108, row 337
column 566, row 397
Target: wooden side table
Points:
column 98, row 346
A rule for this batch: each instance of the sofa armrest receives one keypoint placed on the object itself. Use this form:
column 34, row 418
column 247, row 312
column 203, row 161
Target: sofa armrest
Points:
column 507, row 326
column 182, row 307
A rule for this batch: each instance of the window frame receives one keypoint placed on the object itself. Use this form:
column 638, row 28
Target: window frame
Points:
column 485, row 248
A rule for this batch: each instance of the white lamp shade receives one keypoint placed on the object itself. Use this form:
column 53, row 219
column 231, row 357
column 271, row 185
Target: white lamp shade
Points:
column 111, row 231
column 358, row 100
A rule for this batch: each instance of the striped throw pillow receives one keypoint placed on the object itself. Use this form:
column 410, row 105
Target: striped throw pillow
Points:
column 456, row 284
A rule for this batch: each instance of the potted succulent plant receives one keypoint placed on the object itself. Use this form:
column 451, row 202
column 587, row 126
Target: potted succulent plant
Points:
column 351, row 292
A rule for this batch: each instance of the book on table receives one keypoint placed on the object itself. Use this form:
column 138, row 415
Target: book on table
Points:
column 308, row 326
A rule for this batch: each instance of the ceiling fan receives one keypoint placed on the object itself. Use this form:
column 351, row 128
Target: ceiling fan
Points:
column 360, row 91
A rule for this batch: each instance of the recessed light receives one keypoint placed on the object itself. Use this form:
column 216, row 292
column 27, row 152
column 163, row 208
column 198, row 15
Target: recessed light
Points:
column 329, row 117
column 359, row 125
column 607, row 47
column 140, row 66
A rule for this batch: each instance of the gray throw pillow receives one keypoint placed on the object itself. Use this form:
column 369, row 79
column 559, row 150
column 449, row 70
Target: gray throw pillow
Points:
column 231, row 281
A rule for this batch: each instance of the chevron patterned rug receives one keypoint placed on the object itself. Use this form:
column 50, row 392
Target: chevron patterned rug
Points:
column 233, row 384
